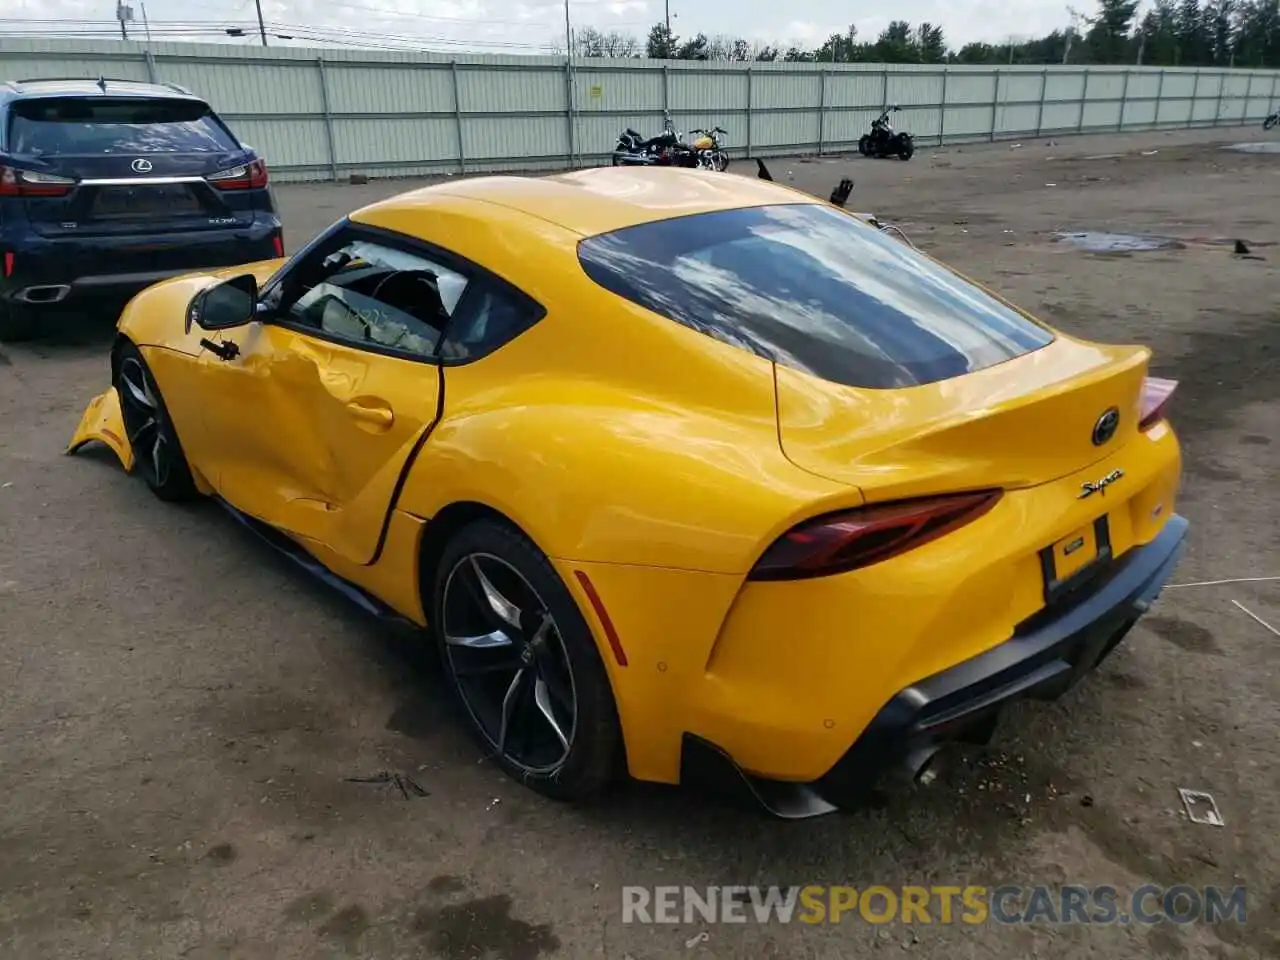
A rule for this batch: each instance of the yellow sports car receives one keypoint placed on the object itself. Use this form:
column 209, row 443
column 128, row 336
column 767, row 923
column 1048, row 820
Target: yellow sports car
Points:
column 689, row 475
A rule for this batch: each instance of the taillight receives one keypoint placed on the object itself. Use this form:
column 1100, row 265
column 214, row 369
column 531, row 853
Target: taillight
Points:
column 277, row 242
column 246, row 176
column 29, row 183
column 1156, row 394
column 851, row 539
column 8, row 263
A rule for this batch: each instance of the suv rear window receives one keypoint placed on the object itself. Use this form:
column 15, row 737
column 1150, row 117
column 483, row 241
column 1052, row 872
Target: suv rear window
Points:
column 58, row 125
column 815, row 289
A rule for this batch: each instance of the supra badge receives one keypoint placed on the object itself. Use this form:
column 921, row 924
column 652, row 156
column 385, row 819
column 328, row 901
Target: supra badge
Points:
column 1090, row 487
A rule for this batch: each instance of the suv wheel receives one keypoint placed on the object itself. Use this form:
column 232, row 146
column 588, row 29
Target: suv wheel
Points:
column 16, row 323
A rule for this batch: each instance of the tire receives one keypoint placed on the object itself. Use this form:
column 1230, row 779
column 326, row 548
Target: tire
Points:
column 722, row 161
column 16, row 323
column 157, row 453
column 529, row 657
column 1271, row 121
column 864, row 145
column 906, row 147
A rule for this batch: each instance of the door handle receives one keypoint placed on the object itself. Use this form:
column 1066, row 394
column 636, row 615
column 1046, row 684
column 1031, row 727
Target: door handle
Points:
column 377, row 416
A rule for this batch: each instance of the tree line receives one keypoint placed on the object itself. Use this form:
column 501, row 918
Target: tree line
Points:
column 1175, row 33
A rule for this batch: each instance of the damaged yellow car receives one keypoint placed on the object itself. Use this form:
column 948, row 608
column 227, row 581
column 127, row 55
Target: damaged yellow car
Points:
column 692, row 477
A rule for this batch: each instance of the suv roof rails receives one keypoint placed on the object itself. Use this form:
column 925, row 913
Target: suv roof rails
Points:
column 103, row 81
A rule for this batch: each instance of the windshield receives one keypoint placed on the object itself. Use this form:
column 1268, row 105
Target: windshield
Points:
column 815, row 289
column 68, row 125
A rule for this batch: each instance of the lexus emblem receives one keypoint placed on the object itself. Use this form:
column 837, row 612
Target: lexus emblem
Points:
column 1106, row 426
column 141, row 165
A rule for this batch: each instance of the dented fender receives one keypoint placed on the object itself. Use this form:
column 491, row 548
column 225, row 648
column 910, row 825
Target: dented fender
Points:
column 103, row 421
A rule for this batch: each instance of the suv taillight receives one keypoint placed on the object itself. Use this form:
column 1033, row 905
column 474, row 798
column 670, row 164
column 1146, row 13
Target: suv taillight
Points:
column 28, row 183
column 856, row 538
column 246, row 176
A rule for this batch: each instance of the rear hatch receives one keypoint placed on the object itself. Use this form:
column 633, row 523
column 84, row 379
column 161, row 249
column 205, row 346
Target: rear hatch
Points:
column 1028, row 421
column 129, row 165
column 893, row 373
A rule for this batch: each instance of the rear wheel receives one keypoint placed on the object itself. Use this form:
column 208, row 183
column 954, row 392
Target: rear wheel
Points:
column 16, row 323
column 524, row 664
column 157, row 454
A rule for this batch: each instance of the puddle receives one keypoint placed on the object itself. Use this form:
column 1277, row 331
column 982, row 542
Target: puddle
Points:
column 1096, row 242
column 1262, row 146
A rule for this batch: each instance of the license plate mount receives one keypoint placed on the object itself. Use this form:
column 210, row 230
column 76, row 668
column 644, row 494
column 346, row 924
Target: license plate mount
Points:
column 1075, row 559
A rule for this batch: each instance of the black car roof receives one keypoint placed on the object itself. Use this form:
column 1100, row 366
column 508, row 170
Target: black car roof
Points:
column 11, row 90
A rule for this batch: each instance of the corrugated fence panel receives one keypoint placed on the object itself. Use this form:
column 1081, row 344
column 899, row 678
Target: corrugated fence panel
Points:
column 633, row 92
column 860, row 88
column 965, row 88
column 286, row 143
column 395, row 113
column 281, row 88
column 368, row 90
column 696, row 91
column 512, row 91
column 964, row 123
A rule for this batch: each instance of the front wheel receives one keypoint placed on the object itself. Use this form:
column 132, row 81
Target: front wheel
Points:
column 906, row 147
column 157, row 453
column 864, row 145
column 524, row 663
column 722, row 161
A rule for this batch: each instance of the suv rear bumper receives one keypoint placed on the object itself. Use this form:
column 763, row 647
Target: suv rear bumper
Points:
column 1044, row 658
column 54, row 270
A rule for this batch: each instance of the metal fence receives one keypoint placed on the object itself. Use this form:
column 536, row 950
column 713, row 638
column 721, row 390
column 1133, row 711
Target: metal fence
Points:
column 320, row 114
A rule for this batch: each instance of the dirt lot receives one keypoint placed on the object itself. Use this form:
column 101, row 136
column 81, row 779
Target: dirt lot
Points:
column 180, row 708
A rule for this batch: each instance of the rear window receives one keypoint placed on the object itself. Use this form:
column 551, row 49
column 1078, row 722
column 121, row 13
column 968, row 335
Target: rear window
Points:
column 67, row 125
column 814, row 289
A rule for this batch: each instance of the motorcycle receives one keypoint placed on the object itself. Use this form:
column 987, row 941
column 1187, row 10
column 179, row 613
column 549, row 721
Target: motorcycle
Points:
column 884, row 141
column 1271, row 121
column 664, row 150
column 710, row 154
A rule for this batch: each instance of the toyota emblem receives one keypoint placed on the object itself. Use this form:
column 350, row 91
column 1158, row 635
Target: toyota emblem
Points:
column 141, row 165
column 1106, row 427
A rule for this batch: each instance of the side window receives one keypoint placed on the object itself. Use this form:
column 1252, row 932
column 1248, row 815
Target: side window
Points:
column 492, row 318
column 370, row 293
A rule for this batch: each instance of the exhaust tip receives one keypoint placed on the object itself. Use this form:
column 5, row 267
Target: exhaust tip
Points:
column 924, row 765
column 44, row 293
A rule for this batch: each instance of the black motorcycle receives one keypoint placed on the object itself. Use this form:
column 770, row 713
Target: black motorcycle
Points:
column 884, row 141
column 1271, row 121
column 664, row 150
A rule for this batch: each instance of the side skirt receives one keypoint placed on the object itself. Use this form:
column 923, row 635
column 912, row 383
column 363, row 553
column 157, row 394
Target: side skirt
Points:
column 298, row 554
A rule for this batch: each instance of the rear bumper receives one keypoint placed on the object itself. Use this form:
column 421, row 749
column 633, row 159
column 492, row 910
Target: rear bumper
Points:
column 1044, row 658
column 54, row 270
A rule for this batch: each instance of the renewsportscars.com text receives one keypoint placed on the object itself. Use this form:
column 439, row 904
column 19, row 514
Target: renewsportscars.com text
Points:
column 969, row 904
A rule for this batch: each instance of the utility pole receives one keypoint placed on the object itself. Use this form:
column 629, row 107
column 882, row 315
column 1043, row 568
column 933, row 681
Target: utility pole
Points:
column 123, row 13
column 667, row 7
column 262, row 30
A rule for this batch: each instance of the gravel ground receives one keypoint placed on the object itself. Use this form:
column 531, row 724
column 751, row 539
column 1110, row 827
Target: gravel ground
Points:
column 181, row 707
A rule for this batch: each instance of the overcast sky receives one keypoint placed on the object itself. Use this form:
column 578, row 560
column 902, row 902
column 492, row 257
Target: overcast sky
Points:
column 534, row 26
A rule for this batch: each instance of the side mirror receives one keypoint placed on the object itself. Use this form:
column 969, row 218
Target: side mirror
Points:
column 231, row 303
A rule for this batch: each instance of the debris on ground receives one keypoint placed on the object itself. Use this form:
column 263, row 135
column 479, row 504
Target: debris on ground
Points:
column 692, row 942
column 1201, row 807
column 1149, row 153
column 401, row 781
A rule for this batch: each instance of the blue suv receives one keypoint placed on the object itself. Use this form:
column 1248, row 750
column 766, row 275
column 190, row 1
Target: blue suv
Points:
column 108, row 186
